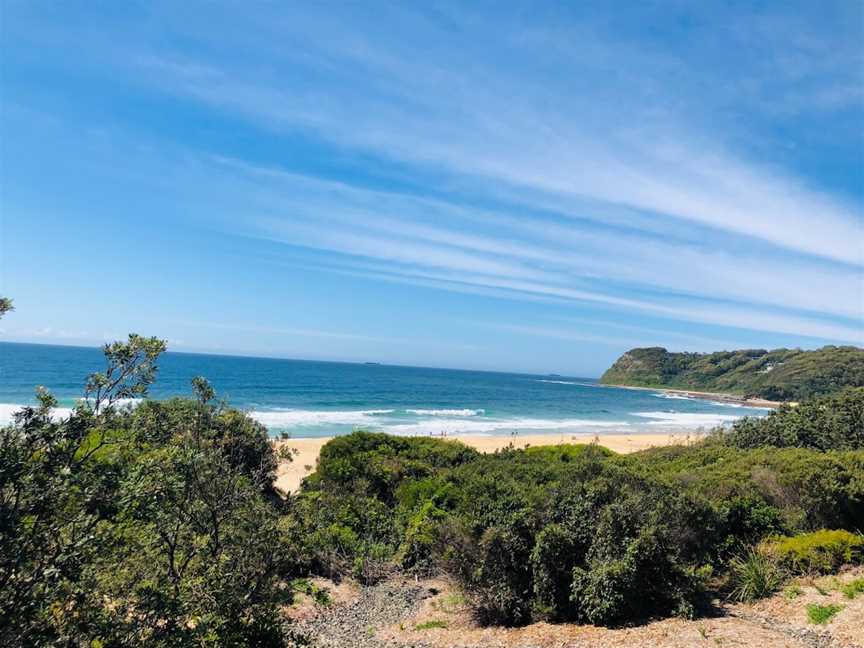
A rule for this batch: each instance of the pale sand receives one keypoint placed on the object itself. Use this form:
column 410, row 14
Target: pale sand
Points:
column 719, row 397
column 290, row 474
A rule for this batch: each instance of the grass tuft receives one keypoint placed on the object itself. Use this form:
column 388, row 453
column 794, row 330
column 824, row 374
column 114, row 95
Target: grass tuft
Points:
column 428, row 625
column 450, row 603
column 305, row 586
column 792, row 592
column 822, row 614
column 853, row 588
column 754, row 576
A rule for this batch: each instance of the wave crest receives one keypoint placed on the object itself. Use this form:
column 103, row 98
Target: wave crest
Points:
column 490, row 426
column 292, row 417
column 447, row 412
column 7, row 412
column 686, row 419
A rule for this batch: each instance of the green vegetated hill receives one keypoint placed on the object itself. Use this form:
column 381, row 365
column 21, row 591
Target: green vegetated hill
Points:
column 781, row 374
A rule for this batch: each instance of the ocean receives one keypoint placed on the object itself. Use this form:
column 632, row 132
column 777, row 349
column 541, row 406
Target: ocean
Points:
column 314, row 399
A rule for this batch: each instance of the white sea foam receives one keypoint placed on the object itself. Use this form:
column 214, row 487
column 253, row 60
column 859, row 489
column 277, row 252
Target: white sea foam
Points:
column 686, row 419
column 291, row 417
column 489, row 426
column 559, row 382
column 447, row 412
column 7, row 410
column 124, row 402
column 673, row 396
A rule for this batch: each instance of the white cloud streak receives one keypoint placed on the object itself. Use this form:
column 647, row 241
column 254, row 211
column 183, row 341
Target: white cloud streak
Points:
column 669, row 172
column 390, row 234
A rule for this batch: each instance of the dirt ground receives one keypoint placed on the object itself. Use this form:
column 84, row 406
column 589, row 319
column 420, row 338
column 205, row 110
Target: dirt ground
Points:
column 432, row 614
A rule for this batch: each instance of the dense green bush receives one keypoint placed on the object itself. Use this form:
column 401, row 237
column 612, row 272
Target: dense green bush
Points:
column 373, row 504
column 834, row 422
column 774, row 490
column 822, row 551
column 566, row 534
column 379, row 463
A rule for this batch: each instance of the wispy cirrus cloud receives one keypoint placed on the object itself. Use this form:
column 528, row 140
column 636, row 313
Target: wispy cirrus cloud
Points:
column 452, row 120
column 387, row 233
column 569, row 159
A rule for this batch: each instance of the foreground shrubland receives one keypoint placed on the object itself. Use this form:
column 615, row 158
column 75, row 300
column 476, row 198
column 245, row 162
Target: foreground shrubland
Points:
column 149, row 526
column 578, row 533
column 570, row 533
column 159, row 525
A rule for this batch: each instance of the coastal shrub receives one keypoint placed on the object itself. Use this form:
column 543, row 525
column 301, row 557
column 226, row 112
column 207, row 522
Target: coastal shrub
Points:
column 638, row 563
column 242, row 440
column 809, row 489
column 379, row 463
column 556, row 553
column 823, row 551
column 569, row 535
column 342, row 534
column 193, row 540
column 832, row 422
column 422, row 507
column 374, row 503
column 499, row 586
column 743, row 521
column 488, row 541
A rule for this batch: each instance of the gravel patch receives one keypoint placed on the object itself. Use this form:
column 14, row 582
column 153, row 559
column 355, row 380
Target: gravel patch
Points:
column 810, row 638
column 408, row 614
column 355, row 624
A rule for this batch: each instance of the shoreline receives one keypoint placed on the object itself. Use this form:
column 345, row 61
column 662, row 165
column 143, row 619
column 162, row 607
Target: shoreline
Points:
column 289, row 474
column 718, row 397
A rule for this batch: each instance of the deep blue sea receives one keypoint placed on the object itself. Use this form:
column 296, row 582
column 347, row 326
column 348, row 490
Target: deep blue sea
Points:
column 310, row 399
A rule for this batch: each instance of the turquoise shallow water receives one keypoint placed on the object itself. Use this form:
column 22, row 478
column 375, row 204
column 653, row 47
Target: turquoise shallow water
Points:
column 327, row 398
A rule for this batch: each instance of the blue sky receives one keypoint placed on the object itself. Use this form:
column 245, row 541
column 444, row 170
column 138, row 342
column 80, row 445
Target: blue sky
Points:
column 519, row 186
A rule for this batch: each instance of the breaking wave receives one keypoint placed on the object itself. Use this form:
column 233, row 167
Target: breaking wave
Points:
column 686, row 419
column 490, row 426
column 294, row 417
column 447, row 412
column 7, row 411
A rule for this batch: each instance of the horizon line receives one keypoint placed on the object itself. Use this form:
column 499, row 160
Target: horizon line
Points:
column 289, row 359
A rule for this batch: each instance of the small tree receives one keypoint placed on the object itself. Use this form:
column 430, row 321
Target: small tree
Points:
column 131, row 369
column 53, row 495
column 144, row 526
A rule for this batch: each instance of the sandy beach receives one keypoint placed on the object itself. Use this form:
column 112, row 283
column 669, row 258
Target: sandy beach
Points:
column 290, row 474
column 718, row 397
